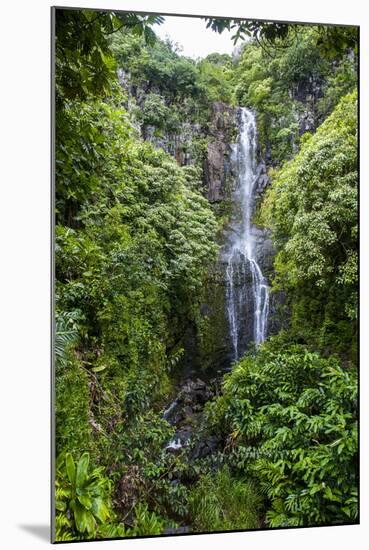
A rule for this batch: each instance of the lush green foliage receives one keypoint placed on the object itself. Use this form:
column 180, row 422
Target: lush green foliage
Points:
column 135, row 238
column 133, row 242
column 169, row 90
column 289, row 413
column 135, row 264
column 215, row 76
column 66, row 332
column 84, row 63
column 130, row 265
column 312, row 209
column 84, row 506
column 281, row 85
column 160, row 67
column 292, row 420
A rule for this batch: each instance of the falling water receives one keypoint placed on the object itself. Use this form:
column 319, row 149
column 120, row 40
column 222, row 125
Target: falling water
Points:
column 241, row 258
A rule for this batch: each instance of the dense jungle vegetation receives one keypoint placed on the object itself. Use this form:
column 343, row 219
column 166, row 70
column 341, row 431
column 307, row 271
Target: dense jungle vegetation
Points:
column 135, row 238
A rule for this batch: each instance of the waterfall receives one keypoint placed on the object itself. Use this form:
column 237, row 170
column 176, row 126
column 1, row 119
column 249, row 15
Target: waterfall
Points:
column 245, row 282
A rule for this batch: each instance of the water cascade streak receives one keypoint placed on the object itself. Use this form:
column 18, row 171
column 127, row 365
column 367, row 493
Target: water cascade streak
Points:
column 241, row 258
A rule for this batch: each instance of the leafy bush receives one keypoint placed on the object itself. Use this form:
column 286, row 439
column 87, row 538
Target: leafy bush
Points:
column 154, row 111
column 215, row 77
column 291, row 418
column 82, row 499
column 312, row 210
column 135, row 264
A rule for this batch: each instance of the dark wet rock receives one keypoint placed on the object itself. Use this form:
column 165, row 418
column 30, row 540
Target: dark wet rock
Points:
column 173, row 449
column 262, row 178
column 215, row 343
column 218, row 176
column 265, row 253
column 205, row 447
column 187, row 411
column 307, row 122
column 193, row 392
column 279, row 312
column 189, row 401
column 307, row 93
column 187, row 416
column 214, row 171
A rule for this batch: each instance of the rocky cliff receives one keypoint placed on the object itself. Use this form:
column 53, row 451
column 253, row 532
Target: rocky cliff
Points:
column 218, row 175
column 211, row 146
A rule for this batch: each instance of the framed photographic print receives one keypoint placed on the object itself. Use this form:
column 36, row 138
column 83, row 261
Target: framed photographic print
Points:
column 205, row 230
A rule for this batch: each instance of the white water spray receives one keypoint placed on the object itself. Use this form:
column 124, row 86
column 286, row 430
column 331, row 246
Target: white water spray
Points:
column 241, row 259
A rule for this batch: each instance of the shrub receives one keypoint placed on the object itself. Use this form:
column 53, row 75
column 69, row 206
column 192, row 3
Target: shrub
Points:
column 81, row 499
column 291, row 417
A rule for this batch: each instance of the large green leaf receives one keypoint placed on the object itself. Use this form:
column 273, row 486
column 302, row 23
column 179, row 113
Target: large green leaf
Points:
column 90, row 523
column 100, row 509
column 84, row 520
column 82, row 468
column 85, row 501
column 70, row 467
column 60, row 505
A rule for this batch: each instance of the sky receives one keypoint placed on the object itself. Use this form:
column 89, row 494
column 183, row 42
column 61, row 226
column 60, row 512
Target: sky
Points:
column 191, row 33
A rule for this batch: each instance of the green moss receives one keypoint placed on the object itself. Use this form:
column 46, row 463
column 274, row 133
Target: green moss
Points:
column 213, row 327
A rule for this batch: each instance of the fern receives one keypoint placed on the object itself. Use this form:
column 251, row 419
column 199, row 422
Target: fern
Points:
column 66, row 331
